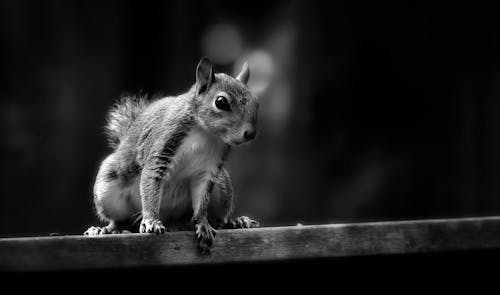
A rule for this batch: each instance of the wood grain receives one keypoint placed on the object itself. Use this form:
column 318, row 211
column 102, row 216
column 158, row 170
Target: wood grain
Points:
column 247, row 245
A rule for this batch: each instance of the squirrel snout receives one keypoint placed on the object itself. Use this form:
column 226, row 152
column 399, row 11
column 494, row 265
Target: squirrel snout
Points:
column 249, row 133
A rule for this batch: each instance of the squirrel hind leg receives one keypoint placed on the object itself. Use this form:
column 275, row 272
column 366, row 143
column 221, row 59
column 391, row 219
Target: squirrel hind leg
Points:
column 115, row 199
column 112, row 199
column 116, row 189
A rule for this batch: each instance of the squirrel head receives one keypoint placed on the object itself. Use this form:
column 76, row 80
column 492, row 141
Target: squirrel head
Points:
column 223, row 105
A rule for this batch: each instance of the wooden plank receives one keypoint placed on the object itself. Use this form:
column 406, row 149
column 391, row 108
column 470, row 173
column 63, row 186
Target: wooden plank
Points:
column 263, row 244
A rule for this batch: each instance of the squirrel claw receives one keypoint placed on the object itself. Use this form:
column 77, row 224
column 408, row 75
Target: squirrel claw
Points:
column 152, row 226
column 244, row 222
column 205, row 236
column 93, row 231
column 98, row 231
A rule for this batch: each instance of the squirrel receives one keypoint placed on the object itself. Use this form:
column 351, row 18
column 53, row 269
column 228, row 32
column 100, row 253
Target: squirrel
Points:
column 167, row 164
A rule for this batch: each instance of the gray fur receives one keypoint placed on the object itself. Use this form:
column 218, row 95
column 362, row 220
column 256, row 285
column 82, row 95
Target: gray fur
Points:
column 121, row 116
column 171, row 151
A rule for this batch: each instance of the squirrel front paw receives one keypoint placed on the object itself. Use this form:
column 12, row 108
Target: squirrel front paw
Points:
column 151, row 226
column 205, row 236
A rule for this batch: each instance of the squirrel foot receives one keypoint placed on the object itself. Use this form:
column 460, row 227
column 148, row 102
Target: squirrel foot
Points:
column 93, row 231
column 205, row 236
column 152, row 226
column 105, row 230
column 97, row 231
column 242, row 222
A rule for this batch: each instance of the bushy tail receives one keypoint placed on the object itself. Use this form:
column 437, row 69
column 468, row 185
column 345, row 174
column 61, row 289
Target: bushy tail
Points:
column 122, row 115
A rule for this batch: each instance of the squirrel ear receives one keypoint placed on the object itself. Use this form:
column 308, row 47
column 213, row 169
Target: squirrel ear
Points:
column 204, row 75
column 244, row 74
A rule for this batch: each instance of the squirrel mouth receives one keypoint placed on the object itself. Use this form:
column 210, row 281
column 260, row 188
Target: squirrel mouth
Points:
column 235, row 142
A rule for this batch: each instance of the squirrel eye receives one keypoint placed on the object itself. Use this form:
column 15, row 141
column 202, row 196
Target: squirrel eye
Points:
column 222, row 104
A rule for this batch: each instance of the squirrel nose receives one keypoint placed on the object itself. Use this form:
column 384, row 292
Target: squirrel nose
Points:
column 249, row 134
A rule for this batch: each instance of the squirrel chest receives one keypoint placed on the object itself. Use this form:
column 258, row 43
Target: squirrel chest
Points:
column 199, row 153
column 195, row 160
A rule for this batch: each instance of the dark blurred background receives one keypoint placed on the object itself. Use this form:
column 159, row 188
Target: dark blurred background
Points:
column 368, row 112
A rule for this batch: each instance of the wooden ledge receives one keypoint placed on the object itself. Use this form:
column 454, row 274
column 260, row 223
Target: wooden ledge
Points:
column 263, row 244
